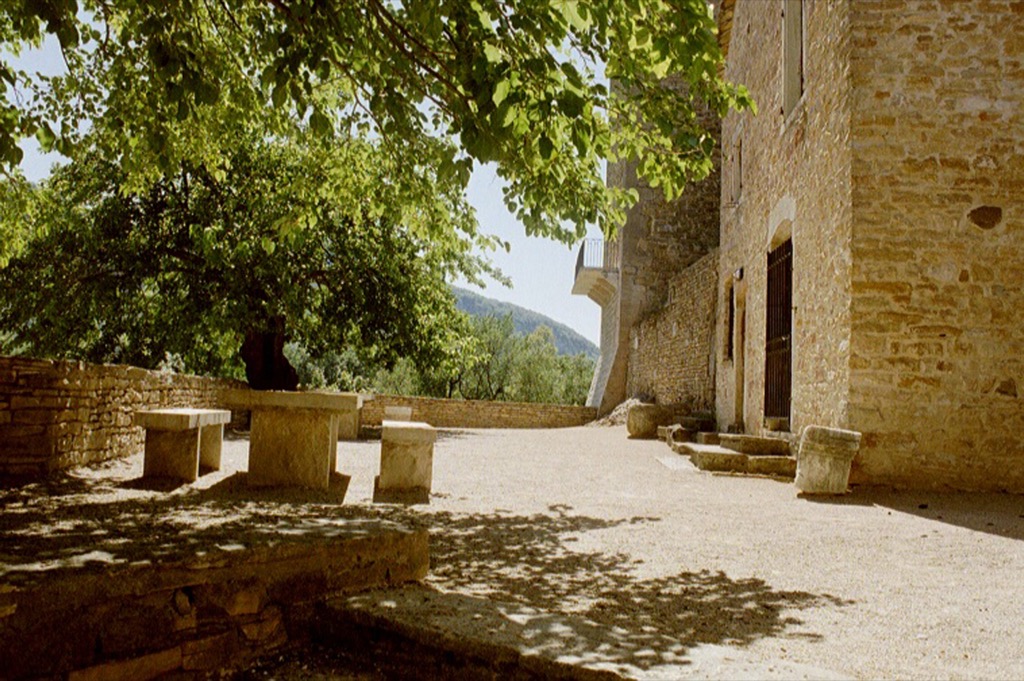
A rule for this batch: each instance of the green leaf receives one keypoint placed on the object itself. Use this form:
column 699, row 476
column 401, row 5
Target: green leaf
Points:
column 501, row 91
column 546, row 147
column 47, row 138
column 492, row 53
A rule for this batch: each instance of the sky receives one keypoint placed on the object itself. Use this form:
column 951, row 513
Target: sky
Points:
column 541, row 270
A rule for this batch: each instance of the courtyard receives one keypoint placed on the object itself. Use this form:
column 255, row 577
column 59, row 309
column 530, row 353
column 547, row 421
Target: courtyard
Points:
column 578, row 551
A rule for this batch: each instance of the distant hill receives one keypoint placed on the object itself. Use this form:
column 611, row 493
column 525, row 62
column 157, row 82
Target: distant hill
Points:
column 525, row 321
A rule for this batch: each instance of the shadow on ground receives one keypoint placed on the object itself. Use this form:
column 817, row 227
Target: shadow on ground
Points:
column 519, row 572
column 517, row 576
column 69, row 523
column 989, row 512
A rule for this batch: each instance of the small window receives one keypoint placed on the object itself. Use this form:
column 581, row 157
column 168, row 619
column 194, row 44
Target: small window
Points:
column 736, row 181
column 792, row 54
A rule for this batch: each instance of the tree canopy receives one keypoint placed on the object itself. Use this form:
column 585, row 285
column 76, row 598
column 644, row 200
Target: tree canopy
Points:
column 283, row 244
column 440, row 83
column 496, row 363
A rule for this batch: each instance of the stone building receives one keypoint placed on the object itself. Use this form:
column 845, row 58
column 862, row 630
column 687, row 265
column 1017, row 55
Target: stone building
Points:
column 655, row 284
column 871, row 252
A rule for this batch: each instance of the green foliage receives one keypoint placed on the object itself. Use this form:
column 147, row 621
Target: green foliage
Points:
column 525, row 321
column 441, row 83
column 15, row 224
column 496, row 363
column 181, row 272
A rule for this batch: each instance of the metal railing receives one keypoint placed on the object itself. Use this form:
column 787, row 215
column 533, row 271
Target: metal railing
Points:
column 598, row 254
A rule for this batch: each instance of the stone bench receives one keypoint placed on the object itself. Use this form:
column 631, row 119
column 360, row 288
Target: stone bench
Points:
column 180, row 441
column 406, row 463
column 293, row 438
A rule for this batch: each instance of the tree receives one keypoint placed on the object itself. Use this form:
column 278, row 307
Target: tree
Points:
column 493, row 362
column 282, row 243
column 446, row 83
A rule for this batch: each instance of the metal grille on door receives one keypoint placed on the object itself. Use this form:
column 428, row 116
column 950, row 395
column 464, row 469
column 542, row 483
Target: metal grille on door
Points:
column 779, row 348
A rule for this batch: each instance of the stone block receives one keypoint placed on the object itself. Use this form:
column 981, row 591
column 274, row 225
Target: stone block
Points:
column 825, row 459
column 708, row 438
column 755, row 446
column 180, row 419
column 211, row 442
column 777, row 466
column 715, row 458
column 292, row 447
column 406, row 462
column 172, row 454
column 642, row 420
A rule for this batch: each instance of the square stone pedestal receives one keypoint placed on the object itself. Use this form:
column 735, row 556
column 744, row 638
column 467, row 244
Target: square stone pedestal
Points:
column 292, row 447
column 406, row 463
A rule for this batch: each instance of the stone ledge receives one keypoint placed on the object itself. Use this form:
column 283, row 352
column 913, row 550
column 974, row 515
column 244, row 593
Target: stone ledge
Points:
column 216, row 610
column 180, row 419
column 757, row 446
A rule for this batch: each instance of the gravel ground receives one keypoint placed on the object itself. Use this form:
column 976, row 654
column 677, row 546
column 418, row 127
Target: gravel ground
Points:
column 653, row 568
column 583, row 546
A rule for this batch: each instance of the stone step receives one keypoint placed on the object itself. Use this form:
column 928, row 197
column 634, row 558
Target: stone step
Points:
column 756, row 446
column 713, row 457
column 778, row 466
column 697, row 422
column 720, row 459
column 677, row 434
column 708, row 438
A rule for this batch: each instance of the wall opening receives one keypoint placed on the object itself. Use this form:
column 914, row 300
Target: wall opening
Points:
column 792, row 54
column 779, row 337
column 739, row 337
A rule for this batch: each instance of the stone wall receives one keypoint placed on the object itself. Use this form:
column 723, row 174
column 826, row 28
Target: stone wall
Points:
column 787, row 176
column 659, row 239
column 937, row 375
column 58, row 414
column 198, row 617
column 442, row 413
column 671, row 357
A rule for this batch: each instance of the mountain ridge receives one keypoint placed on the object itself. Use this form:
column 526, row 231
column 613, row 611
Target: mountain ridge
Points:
column 567, row 340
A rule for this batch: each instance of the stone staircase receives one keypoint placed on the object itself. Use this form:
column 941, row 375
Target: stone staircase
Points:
column 731, row 453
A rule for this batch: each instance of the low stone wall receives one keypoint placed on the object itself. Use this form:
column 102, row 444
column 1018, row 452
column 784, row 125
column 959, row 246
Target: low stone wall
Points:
column 58, row 414
column 671, row 356
column 196, row 618
column 442, row 413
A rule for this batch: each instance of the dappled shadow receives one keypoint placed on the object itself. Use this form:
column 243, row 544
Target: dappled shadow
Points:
column 592, row 604
column 74, row 524
column 526, row 570
column 990, row 512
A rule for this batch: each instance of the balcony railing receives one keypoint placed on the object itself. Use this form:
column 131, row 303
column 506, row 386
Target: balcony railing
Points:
column 597, row 261
column 598, row 254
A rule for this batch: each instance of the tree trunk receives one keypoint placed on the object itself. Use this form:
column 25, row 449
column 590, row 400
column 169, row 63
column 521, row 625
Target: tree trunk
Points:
column 266, row 367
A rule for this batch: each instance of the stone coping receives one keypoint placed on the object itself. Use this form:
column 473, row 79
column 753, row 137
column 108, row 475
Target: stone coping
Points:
column 181, row 418
column 408, row 432
column 282, row 399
